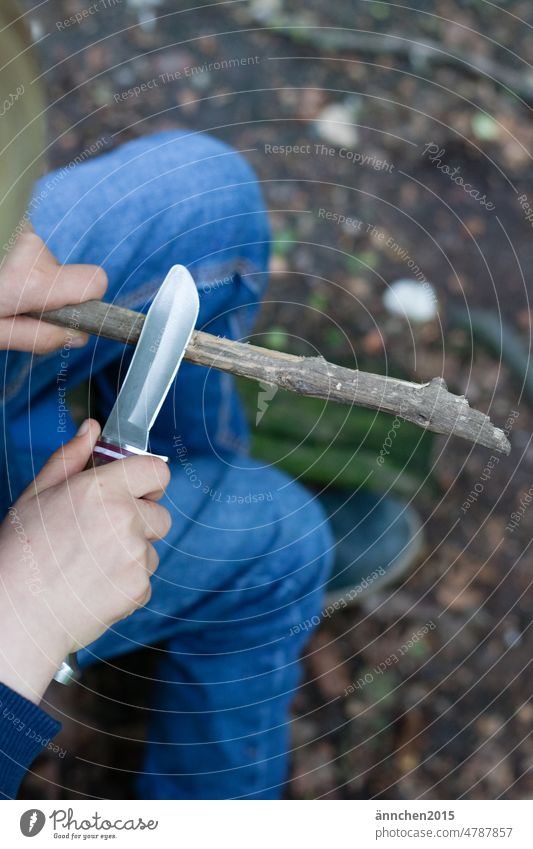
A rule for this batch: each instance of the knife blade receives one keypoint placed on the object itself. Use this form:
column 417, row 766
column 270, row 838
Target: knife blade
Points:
column 166, row 332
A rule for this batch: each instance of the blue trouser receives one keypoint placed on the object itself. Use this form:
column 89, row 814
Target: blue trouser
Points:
column 249, row 551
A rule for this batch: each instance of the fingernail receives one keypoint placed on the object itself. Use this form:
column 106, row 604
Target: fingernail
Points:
column 78, row 340
column 84, row 428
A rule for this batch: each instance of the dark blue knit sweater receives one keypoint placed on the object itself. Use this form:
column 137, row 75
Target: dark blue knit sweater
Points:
column 25, row 730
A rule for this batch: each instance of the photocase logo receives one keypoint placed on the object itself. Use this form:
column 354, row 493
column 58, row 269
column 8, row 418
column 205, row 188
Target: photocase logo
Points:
column 32, row 822
column 267, row 393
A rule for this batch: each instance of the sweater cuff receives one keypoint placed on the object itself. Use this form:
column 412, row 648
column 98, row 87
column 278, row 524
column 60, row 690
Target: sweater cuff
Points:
column 25, row 730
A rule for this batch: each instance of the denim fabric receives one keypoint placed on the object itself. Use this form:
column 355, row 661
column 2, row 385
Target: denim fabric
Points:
column 249, row 551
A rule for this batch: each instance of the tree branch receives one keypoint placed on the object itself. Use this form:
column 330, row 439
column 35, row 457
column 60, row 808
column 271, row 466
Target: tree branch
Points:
column 428, row 405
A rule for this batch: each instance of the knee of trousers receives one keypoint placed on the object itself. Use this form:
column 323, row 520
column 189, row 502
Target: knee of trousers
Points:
column 274, row 536
column 224, row 233
column 186, row 195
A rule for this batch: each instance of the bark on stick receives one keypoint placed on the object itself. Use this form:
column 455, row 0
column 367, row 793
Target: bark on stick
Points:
column 428, row 405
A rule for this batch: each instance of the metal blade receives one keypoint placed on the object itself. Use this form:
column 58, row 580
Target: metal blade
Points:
column 164, row 338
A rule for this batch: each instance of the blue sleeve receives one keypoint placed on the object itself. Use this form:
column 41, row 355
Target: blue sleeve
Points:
column 25, row 730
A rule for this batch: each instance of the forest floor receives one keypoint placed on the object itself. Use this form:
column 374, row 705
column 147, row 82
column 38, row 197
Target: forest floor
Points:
column 452, row 718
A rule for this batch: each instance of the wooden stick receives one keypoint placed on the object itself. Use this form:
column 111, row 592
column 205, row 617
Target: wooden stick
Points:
column 428, row 405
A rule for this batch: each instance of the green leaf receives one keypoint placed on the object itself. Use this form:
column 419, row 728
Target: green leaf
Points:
column 283, row 242
column 277, row 339
column 485, row 127
column 379, row 11
column 318, row 301
column 366, row 259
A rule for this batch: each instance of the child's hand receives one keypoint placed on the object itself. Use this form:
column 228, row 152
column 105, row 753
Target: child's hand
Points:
column 76, row 556
column 31, row 280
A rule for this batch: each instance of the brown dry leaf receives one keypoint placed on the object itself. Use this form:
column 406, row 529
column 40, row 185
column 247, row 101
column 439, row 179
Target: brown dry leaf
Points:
column 278, row 264
column 358, row 286
column 327, row 666
column 458, row 284
column 310, row 102
column 490, row 725
column 187, row 99
column 407, row 761
column 525, row 714
column 475, row 225
column 462, row 600
column 373, row 342
column 524, row 319
column 314, row 775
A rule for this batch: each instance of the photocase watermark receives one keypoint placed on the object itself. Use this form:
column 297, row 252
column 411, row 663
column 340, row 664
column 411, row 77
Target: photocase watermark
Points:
column 340, row 604
column 50, row 184
column 65, row 820
column 479, row 487
column 343, row 220
column 388, row 442
column 267, row 393
column 32, row 822
column 518, row 514
column 490, row 465
column 400, row 253
column 216, row 495
column 435, row 155
column 11, row 99
column 185, row 73
column 83, row 14
column 66, row 825
column 215, row 285
column 33, row 579
column 191, row 471
column 397, row 250
column 391, row 660
column 356, row 157
column 62, row 375
column 8, row 715
column 526, row 208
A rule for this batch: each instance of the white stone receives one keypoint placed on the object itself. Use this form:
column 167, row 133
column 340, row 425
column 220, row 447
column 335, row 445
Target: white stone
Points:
column 412, row 300
column 146, row 10
column 335, row 124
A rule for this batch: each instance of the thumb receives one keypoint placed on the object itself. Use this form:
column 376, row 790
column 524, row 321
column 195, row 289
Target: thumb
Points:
column 68, row 460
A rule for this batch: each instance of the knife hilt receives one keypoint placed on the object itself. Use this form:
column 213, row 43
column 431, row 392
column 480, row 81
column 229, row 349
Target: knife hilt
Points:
column 107, row 452
column 103, row 453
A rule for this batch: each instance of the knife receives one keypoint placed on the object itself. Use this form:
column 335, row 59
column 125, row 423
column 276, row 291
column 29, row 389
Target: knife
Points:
column 166, row 332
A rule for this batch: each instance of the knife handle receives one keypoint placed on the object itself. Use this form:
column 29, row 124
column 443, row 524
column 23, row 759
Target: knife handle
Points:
column 103, row 453
column 106, row 452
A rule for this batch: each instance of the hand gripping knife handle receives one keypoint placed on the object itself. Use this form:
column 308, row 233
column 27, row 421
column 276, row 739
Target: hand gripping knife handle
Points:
column 104, row 453
column 166, row 332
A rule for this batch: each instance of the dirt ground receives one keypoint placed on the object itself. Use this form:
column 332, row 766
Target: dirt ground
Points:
column 452, row 718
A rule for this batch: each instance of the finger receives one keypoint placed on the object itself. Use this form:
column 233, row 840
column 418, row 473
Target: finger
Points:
column 44, row 284
column 58, row 285
column 155, row 496
column 153, row 560
column 37, row 337
column 68, row 460
column 138, row 476
column 74, row 284
column 157, row 520
column 144, row 601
